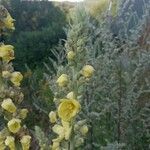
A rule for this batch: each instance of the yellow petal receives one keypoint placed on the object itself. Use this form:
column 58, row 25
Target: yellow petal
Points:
column 68, row 109
column 14, row 125
column 8, row 105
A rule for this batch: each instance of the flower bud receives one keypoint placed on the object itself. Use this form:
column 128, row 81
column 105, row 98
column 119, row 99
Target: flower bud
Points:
column 84, row 130
column 14, row 125
column 23, row 113
column 25, row 142
column 11, row 93
column 20, row 97
column 55, row 146
column 71, row 55
column 87, row 71
column 16, row 78
column 8, row 105
column 63, row 80
column 6, row 74
column 55, row 99
column 7, row 52
column 52, row 117
column 71, row 95
column 10, row 142
column 9, row 22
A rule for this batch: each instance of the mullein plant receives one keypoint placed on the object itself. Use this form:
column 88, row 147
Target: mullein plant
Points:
column 115, row 111
column 69, row 126
column 13, row 135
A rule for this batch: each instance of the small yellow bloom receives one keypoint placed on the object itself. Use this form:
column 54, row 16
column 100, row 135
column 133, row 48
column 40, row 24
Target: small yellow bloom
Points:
column 84, row 130
column 58, row 129
column 25, row 142
column 87, row 71
column 16, row 78
column 14, row 125
column 6, row 74
column 23, row 113
column 7, row 52
column 71, row 95
column 10, row 142
column 63, row 131
column 71, row 55
column 52, row 117
column 68, row 109
column 63, row 80
column 55, row 146
column 9, row 22
column 8, row 105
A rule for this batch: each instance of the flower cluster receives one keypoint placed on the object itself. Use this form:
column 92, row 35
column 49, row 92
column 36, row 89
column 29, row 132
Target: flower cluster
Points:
column 11, row 95
column 68, row 99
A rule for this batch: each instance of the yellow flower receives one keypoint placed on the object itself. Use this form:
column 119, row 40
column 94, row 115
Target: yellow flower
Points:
column 63, row 131
column 71, row 55
column 10, row 142
column 87, row 71
column 84, row 130
column 6, row 74
column 58, row 129
column 52, row 117
column 55, row 146
column 7, row 52
column 23, row 113
column 25, row 142
column 14, row 125
column 68, row 109
column 71, row 95
column 16, row 78
column 63, row 80
column 9, row 22
column 8, row 105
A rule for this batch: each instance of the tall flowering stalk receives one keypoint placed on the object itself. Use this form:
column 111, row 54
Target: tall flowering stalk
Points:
column 68, row 124
column 13, row 135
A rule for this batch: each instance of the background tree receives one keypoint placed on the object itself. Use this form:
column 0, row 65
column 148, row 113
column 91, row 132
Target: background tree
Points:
column 39, row 26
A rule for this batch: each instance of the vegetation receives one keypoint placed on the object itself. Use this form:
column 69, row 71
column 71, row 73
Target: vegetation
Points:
column 37, row 31
column 88, row 87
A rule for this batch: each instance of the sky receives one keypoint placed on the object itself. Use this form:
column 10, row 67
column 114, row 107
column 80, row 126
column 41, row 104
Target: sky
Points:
column 67, row 0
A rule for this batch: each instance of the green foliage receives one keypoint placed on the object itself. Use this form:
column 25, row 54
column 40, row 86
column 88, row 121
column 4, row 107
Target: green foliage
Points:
column 116, row 102
column 39, row 98
column 121, row 85
column 39, row 26
column 40, row 136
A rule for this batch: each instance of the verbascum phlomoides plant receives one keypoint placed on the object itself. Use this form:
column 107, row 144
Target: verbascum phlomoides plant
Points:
column 69, row 126
column 14, row 135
